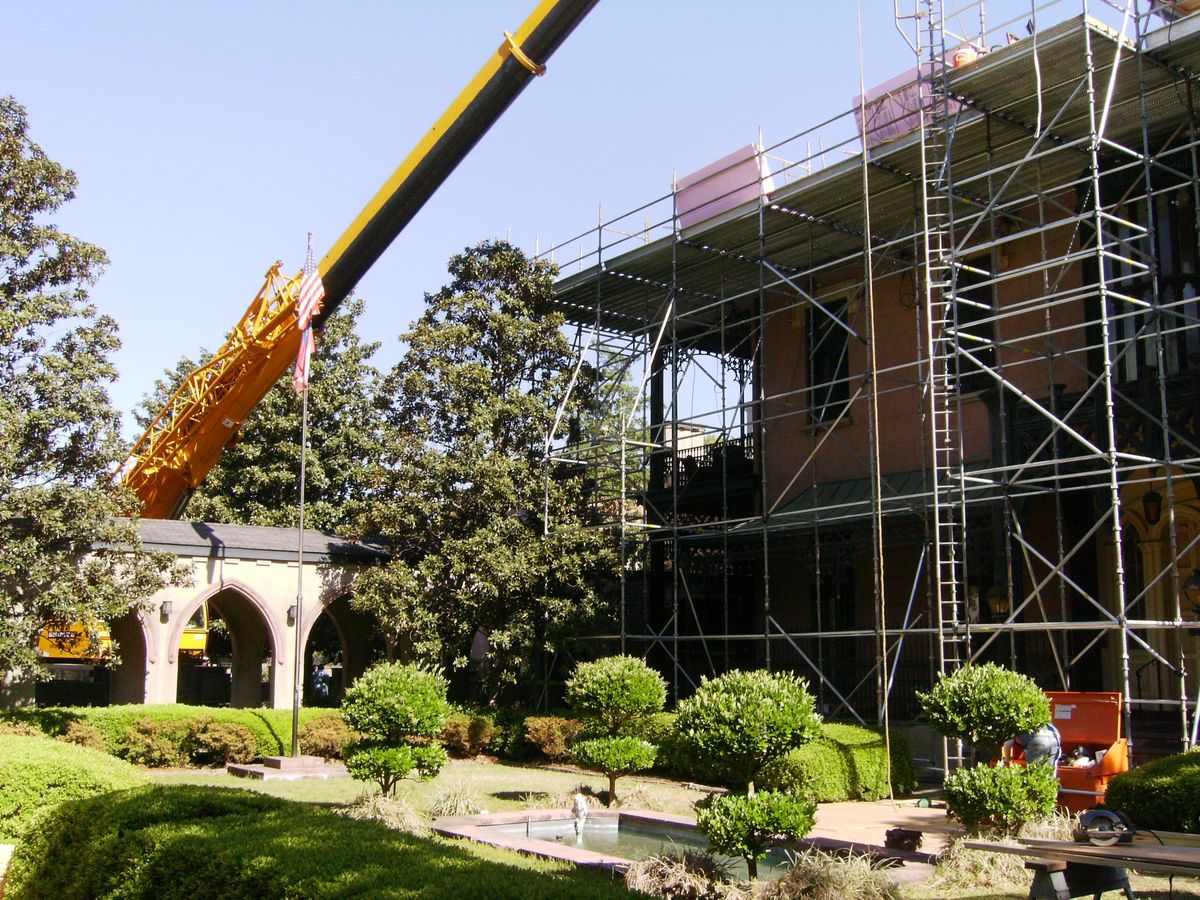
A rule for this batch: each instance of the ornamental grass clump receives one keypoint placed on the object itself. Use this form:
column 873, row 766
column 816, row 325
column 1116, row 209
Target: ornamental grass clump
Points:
column 396, row 707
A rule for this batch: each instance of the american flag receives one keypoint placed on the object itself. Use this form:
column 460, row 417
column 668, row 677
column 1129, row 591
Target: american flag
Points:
column 312, row 292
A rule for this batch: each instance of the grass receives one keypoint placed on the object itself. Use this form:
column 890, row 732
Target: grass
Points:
column 505, row 787
column 500, row 787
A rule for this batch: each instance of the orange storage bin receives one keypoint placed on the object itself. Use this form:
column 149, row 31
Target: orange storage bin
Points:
column 1091, row 720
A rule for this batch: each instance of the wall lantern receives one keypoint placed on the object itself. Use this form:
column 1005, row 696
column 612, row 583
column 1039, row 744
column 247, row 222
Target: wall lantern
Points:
column 1191, row 590
column 291, row 615
column 164, row 611
column 1152, row 506
column 997, row 601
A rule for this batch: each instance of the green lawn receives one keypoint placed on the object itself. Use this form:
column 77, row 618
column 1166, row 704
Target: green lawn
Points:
column 501, row 787
column 497, row 787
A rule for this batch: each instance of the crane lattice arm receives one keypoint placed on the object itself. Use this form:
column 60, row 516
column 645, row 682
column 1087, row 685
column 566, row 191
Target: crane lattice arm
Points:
column 185, row 440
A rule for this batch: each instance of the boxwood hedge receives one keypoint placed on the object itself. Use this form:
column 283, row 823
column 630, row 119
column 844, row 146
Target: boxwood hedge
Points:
column 1163, row 794
column 195, row 843
column 37, row 773
column 847, row 762
column 272, row 728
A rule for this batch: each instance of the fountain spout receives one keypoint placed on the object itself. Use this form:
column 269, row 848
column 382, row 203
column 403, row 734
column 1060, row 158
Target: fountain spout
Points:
column 580, row 808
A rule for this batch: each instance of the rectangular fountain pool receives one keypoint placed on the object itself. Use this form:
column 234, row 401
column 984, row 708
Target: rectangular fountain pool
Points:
column 610, row 838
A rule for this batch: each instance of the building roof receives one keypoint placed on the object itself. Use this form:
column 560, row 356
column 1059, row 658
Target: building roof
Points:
column 207, row 539
column 1020, row 99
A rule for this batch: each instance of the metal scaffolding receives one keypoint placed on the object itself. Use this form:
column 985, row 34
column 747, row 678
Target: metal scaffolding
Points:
column 932, row 402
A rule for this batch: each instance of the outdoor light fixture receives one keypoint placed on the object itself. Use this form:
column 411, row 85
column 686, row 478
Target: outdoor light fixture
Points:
column 292, row 614
column 164, row 611
column 1152, row 506
column 997, row 601
column 1191, row 590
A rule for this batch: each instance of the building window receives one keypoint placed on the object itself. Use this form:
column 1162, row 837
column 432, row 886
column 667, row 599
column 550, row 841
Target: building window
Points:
column 1131, row 301
column 974, row 321
column 828, row 358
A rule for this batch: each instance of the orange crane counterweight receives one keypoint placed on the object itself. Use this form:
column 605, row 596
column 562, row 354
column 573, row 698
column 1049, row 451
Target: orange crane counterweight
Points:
column 208, row 410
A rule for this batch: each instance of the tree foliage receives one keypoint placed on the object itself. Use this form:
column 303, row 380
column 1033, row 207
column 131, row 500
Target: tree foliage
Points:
column 461, row 487
column 64, row 553
column 256, row 481
column 616, row 692
column 738, row 722
column 985, row 705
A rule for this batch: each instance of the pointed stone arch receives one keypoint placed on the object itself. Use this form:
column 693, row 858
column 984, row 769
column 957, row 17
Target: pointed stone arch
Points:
column 254, row 633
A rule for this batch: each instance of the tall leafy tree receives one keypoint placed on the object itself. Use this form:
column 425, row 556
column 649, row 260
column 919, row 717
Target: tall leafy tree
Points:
column 463, row 488
column 64, row 554
column 256, row 481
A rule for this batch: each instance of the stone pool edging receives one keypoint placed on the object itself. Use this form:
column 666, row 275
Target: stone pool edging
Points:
column 474, row 828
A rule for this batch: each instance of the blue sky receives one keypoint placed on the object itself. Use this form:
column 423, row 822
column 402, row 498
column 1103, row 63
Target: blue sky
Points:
column 209, row 138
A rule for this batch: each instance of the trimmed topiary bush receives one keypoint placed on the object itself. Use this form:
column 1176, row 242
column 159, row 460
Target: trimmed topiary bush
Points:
column 395, row 706
column 660, row 730
column 1163, row 794
column 615, row 693
column 552, row 735
column 326, row 736
column 163, row 843
column 985, row 705
column 847, row 762
column 1000, row 799
column 393, row 702
column 614, row 757
column 37, row 773
column 737, row 723
column 750, row 825
column 386, row 765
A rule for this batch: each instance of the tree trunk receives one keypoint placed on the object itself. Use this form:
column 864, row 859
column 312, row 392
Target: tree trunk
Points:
column 612, row 789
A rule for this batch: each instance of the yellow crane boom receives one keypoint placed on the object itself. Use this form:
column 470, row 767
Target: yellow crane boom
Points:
column 208, row 410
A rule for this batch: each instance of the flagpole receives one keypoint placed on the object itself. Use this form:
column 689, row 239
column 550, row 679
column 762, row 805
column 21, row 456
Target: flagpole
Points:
column 298, row 674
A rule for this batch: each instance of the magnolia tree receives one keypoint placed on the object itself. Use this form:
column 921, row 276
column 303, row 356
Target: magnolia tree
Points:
column 67, row 553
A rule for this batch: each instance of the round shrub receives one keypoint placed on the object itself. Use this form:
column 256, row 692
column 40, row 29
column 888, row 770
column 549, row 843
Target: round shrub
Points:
column 552, row 735
column 84, row 735
column 614, row 757
column 847, row 762
column 384, row 764
column 615, row 692
column 467, row 735
column 1163, row 794
column 326, row 736
column 155, row 743
column 38, row 773
column 394, row 701
column 985, row 705
column 736, row 723
column 1000, row 799
column 750, row 825
column 212, row 743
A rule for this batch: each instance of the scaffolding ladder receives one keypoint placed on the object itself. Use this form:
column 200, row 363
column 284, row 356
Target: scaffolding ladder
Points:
column 946, row 511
